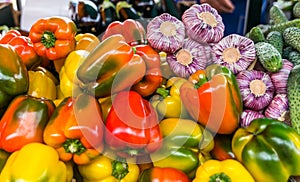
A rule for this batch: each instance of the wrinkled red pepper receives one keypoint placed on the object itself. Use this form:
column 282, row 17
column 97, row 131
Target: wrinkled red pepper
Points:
column 153, row 76
column 24, row 48
column 75, row 129
column 132, row 30
column 132, row 125
column 24, row 121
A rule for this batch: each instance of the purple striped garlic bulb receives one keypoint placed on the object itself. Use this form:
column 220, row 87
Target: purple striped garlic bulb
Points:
column 256, row 88
column 203, row 23
column 165, row 33
column 248, row 116
column 278, row 108
column 235, row 52
column 190, row 58
column 280, row 77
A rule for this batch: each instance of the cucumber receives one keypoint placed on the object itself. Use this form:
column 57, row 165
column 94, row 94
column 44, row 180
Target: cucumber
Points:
column 268, row 56
column 276, row 15
column 293, row 93
column 275, row 38
column 296, row 10
column 286, row 52
column 291, row 37
column 294, row 57
column 256, row 35
column 282, row 26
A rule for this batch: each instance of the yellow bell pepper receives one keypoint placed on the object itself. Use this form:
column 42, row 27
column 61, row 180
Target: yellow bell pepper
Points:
column 42, row 83
column 105, row 169
column 67, row 74
column 34, row 162
column 86, row 41
column 228, row 170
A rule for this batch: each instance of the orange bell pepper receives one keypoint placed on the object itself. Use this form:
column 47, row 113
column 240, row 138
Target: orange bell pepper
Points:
column 212, row 97
column 75, row 129
column 53, row 37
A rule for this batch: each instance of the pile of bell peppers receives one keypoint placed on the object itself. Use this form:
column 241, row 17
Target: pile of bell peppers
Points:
column 76, row 106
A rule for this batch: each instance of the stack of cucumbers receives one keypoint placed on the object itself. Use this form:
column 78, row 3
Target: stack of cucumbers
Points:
column 278, row 40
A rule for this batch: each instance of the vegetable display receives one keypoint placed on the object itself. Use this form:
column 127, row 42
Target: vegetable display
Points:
column 166, row 99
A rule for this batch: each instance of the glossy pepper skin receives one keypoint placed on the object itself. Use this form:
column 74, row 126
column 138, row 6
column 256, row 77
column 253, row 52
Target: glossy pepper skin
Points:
column 75, row 129
column 42, row 83
column 132, row 30
column 153, row 76
column 213, row 98
column 183, row 141
column 104, row 168
column 69, row 84
column 166, row 174
column 228, row 170
column 222, row 149
column 132, row 125
column 86, row 41
column 25, row 165
column 167, row 101
column 24, row 121
column 53, row 37
column 110, row 68
column 23, row 46
column 269, row 149
column 13, row 75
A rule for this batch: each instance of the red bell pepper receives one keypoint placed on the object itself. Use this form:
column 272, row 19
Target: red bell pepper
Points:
column 75, row 129
column 153, row 76
column 132, row 125
column 166, row 174
column 53, row 37
column 9, row 35
column 132, row 30
column 24, row 48
column 212, row 97
column 24, row 121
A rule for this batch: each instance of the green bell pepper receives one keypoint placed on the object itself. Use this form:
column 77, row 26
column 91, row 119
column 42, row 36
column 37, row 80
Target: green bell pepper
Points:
column 184, row 140
column 269, row 149
column 13, row 75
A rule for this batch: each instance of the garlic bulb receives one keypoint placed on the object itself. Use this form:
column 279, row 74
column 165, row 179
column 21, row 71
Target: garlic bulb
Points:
column 203, row 23
column 235, row 52
column 165, row 33
column 190, row 58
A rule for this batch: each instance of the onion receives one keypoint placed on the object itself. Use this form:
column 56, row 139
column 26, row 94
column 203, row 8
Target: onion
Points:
column 190, row 58
column 248, row 116
column 235, row 52
column 203, row 23
column 280, row 78
column 165, row 33
column 256, row 89
column 278, row 108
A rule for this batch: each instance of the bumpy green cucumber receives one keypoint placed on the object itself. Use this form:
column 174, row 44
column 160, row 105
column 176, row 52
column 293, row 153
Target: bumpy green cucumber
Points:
column 275, row 38
column 256, row 34
column 293, row 90
column 294, row 57
column 276, row 15
column 286, row 52
column 291, row 37
column 296, row 10
column 268, row 56
column 282, row 26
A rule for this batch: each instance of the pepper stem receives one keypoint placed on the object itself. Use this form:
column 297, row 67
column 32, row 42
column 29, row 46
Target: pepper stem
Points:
column 219, row 177
column 119, row 168
column 74, row 146
column 48, row 39
column 163, row 92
